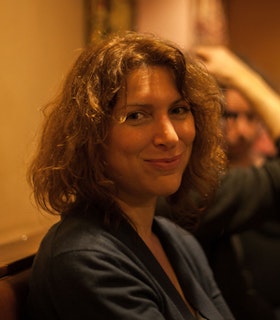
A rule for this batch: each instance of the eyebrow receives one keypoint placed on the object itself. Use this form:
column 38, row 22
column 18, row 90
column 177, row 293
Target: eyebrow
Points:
column 136, row 104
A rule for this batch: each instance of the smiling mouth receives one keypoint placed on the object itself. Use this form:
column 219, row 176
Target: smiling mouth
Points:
column 165, row 163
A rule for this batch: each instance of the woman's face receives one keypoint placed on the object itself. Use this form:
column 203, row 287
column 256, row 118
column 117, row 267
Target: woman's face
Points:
column 150, row 140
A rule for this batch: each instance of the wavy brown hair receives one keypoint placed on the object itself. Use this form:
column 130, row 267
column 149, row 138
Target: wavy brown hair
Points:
column 68, row 169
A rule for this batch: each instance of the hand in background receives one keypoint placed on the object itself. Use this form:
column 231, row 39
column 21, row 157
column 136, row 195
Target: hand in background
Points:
column 224, row 65
column 230, row 71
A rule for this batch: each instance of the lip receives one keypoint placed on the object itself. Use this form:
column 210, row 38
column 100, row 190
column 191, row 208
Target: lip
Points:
column 166, row 164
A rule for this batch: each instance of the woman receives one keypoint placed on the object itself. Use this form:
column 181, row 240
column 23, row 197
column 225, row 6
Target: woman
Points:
column 135, row 120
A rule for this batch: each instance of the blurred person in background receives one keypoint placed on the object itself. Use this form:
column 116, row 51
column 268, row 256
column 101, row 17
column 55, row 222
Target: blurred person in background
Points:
column 241, row 232
column 248, row 142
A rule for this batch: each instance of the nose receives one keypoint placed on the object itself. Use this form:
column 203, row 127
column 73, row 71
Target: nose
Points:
column 165, row 133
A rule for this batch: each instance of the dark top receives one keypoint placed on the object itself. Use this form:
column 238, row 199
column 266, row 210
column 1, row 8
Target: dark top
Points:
column 241, row 237
column 83, row 271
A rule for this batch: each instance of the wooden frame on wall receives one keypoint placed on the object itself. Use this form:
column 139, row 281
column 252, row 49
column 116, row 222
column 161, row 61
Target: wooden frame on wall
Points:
column 107, row 16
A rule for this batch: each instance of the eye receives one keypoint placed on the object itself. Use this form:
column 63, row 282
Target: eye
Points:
column 180, row 111
column 230, row 115
column 137, row 118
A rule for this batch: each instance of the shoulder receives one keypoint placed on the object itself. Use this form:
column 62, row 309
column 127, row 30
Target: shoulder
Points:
column 79, row 245
column 76, row 233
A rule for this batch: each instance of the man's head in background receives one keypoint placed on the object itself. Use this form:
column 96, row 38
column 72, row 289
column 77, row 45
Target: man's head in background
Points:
column 243, row 131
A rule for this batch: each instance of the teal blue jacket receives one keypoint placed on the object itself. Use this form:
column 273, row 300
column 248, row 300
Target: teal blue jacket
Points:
column 84, row 271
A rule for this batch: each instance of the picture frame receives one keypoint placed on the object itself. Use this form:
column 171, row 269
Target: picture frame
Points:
column 107, row 16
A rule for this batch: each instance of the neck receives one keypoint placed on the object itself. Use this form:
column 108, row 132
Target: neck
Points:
column 141, row 215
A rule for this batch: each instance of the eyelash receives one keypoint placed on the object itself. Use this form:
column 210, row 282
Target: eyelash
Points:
column 182, row 109
column 138, row 116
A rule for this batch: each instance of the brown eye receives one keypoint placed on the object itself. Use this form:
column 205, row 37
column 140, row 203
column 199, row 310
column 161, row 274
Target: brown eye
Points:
column 230, row 115
column 135, row 116
column 180, row 112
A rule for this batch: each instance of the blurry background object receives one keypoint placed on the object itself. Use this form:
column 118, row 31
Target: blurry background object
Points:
column 106, row 16
column 210, row 25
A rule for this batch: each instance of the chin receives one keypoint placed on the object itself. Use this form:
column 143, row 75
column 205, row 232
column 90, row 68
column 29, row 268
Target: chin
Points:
column 168, row 191
column 166, row 186
column 167, row 194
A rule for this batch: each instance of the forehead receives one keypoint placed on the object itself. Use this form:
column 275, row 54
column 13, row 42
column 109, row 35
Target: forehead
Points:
column 149, row 81
column 148, row 85
column 235, row 102
column 147, row 73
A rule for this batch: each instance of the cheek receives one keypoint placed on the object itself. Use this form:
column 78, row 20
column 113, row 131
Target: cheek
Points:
column 192, row 134
column 126, row 142
column 230, row 130
column 255, row 128
column 187, row 132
